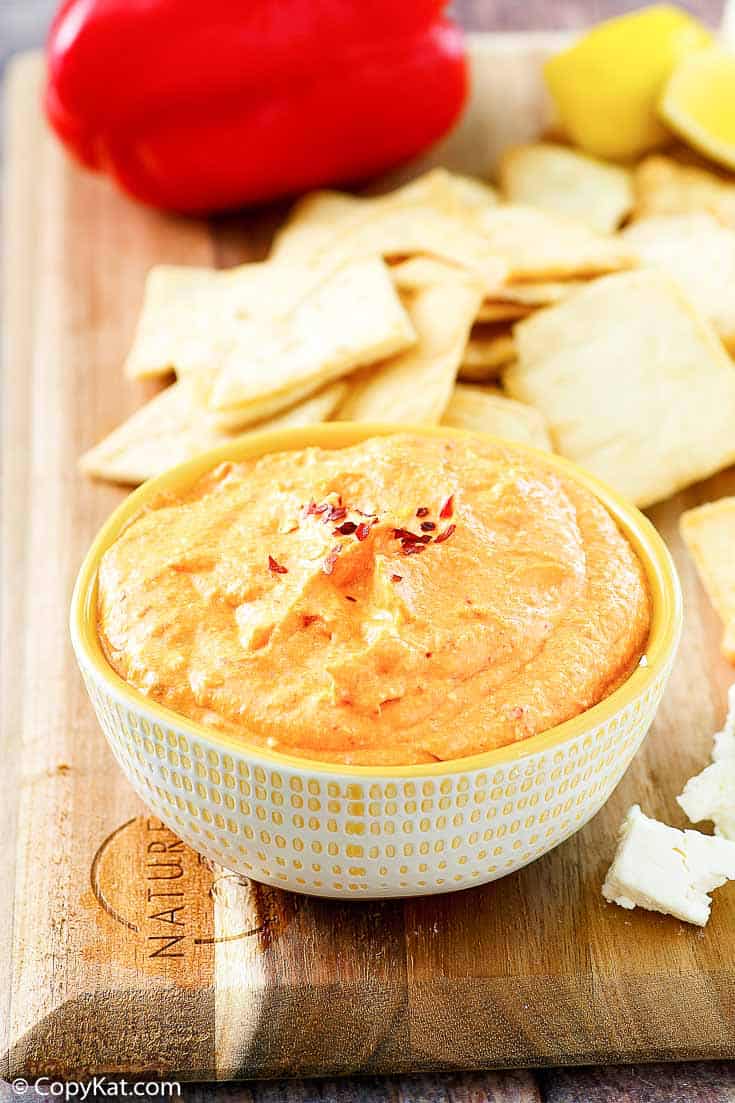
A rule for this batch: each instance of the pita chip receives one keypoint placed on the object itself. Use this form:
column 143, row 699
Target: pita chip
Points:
column 563, row 181
column 488, row 410
column 416, row 385
column 709, row 534
column 172, row 428
column 634, row 384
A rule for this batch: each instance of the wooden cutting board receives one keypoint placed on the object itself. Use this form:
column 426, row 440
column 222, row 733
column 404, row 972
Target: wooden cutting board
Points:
column 120, row 951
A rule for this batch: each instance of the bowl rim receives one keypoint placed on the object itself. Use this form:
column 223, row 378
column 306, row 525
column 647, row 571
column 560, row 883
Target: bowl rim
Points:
column 663, row 582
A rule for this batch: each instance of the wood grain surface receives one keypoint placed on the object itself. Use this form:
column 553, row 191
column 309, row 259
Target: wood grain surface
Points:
column 534, row 969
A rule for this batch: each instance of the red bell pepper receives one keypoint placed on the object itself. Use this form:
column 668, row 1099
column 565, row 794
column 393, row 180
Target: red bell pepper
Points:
column 201, row 105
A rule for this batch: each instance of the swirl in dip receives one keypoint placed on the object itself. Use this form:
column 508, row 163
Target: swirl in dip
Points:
column 403, row 600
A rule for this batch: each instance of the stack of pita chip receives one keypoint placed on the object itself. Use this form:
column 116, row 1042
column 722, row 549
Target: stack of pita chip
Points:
column 631, row 370
column 367, row 309
column 684, row 226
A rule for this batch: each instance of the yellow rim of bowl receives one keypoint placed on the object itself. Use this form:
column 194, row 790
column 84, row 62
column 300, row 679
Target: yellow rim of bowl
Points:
column 663, row 583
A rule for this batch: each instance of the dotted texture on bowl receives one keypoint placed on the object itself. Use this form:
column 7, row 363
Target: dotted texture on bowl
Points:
column 352, row 836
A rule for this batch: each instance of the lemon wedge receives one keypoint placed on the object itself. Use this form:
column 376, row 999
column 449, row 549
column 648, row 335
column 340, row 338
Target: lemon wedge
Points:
column 607, row 86
column 699, row 103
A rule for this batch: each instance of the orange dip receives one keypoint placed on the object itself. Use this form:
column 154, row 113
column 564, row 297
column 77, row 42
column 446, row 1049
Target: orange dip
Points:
column 403, row 600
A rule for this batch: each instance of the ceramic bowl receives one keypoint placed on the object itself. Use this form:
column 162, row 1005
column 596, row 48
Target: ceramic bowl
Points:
column 364, row 832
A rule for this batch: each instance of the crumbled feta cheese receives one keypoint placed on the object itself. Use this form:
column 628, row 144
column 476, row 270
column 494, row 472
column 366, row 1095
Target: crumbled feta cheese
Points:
column 667, row 870
column 711, row 794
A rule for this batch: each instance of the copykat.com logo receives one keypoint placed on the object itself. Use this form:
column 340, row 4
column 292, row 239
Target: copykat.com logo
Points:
column 98, row 1087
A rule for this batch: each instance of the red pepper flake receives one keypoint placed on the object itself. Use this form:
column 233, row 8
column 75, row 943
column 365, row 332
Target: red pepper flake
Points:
column 427, row 526
column 346, row 529
column 447, row 509
column 349, row 597
column 275, row 567
column 396, row 578
column 331, row 559
column 336, row 513
column 408, row 537
column 422, row 511
column 412, row 549
column 445, row 534
column 362, row 531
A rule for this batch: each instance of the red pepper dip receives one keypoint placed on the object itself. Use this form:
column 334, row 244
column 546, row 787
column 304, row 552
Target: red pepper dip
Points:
column 404, row 600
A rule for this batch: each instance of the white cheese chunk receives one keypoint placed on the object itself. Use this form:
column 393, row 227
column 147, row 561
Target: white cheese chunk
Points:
column 667, row 870
column 711, row 794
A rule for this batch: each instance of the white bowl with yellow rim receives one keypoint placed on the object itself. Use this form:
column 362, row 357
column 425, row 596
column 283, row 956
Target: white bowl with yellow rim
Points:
column 360, row 832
